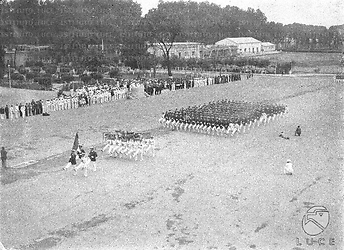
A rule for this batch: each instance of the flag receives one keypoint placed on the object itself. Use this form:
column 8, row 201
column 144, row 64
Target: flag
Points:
column 76, row 142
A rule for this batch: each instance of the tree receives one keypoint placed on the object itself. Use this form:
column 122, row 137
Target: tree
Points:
column 2, row 64
column 163, row 26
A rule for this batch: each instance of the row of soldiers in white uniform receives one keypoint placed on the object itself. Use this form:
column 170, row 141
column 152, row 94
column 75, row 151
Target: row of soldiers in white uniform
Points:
column 86, row 96
column 223, row 117
column 130, row 145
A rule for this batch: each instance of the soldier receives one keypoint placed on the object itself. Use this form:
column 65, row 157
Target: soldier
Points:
column 72, row 160
column 93, row 157
column 84, row 161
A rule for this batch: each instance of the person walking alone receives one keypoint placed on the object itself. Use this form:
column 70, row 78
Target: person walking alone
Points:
column 298, row 131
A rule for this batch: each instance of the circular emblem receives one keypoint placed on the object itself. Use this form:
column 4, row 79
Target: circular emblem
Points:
column 315, row 220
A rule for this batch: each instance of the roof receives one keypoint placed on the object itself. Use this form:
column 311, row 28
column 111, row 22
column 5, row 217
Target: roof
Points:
column 181, row 43
column 238, row 40
column 186, row 43
column 267, row 44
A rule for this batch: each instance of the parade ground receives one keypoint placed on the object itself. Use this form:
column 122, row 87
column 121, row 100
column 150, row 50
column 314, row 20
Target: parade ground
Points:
column 198, row 192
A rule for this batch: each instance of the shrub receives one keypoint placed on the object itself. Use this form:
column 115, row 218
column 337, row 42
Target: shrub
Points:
column 17, row 76
column 67, row 78
column 114, row 73
column 31, row 75
column 96, row 76
column 85, row 78
column 44, row 81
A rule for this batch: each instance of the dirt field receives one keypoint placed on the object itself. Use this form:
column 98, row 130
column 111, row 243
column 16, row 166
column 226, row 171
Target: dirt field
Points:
column 198, row 192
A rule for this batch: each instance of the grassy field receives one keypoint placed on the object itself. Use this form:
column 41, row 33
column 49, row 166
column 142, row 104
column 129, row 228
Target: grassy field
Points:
column 309, row 62
column 198, row 192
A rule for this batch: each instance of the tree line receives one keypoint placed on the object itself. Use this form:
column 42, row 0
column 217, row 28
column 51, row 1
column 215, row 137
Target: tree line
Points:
column 73, row 27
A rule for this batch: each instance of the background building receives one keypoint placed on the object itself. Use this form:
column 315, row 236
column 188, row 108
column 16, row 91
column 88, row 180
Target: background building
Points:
column 220, row 51
column 180, row 49
column 21, row 54
column 245, row 45
column 268, row 47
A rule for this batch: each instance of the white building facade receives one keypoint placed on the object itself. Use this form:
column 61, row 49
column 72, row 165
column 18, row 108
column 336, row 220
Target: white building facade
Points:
column 245, row 45
column 180, row 49
column 268, row 47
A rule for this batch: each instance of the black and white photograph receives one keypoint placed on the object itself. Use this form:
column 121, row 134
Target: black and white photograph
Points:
column 172, row 124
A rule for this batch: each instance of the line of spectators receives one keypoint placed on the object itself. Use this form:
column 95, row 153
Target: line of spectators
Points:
column 101, row 93
column 22, row 110
column 86, row 96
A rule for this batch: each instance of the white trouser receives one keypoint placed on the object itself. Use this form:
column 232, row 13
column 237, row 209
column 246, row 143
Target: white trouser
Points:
column 68, row 165
column 93, row 164
column 83, row 165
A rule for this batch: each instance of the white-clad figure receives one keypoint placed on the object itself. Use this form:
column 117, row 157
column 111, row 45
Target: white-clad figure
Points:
column 16, row 111
column 288, row 168
column 108, row 144
column 11, row 112
column 83, row 165
column 22, row 109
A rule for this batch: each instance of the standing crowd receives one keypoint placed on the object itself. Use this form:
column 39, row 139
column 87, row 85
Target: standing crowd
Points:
column 86, row 96
column 102, row 93
column 22, row 110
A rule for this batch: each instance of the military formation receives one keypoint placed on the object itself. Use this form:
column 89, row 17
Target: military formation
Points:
column 225, row 117
column 131, row 145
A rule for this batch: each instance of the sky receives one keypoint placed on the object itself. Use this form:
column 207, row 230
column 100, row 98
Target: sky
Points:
column 313, row 12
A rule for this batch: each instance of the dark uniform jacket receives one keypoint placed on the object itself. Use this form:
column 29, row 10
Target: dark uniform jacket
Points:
column 81, row 153
column 72, row 159
column 93, row 155
column 3, row 155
